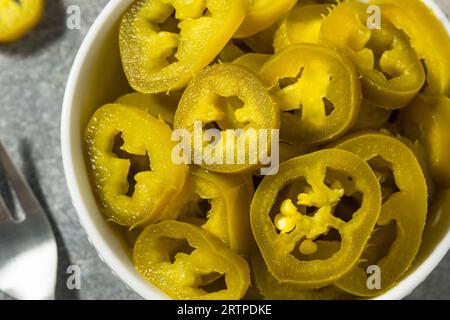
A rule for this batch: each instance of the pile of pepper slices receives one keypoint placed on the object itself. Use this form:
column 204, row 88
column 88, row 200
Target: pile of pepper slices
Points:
column 360, row 95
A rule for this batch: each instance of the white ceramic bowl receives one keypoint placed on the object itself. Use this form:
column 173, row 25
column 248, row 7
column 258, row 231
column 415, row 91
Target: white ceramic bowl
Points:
column 97, row 78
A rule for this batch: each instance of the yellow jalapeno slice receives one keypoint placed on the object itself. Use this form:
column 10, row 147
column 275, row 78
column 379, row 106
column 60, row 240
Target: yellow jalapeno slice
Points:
column 318, row 237
column 392, row 74
column 253, row 61
column 130, row 158
column 271, row 289
column 219, row 203
column 301, row 25
column 262, row 14
column 398, row 233
column 427, row 119
column 227, row 97
column 18, row 17
column 371, row 117
column 158, row 105
column 317, row 90
column 164, row 43
column 188, row 263
column 417, row 20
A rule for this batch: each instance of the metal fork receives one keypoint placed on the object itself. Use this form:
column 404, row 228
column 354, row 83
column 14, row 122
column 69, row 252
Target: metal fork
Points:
column 28, row 252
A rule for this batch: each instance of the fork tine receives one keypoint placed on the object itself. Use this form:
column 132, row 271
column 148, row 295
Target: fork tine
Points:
column 28, row 250
column 23, row 191
column 5, row 214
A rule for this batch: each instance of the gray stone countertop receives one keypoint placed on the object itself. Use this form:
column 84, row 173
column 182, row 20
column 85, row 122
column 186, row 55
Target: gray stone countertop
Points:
column 33, row 75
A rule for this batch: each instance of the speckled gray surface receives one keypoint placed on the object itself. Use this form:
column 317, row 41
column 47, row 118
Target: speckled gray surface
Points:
column 33, row 74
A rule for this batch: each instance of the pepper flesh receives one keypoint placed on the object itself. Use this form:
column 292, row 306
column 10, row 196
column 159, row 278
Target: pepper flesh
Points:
column 253, row 61
column 290, row 150
column 416, row 19
column 370, row 117
column 318, row 92
column 228, row 209
column 181, row 258
column 418, row 148
column 406, row 207
column 271, row 289
column 17, row 18
column 160, row 54
column 262, row 42
column 158, row 105
column 391, row 72
column 301, row 25
column 430, row 116
column 232, row 97
column 262, row 14
column 143, row 136
column 294, row 226
column 230, row 52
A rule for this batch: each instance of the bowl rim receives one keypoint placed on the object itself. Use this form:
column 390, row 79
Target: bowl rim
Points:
column 106, row 253
column 104, row 250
